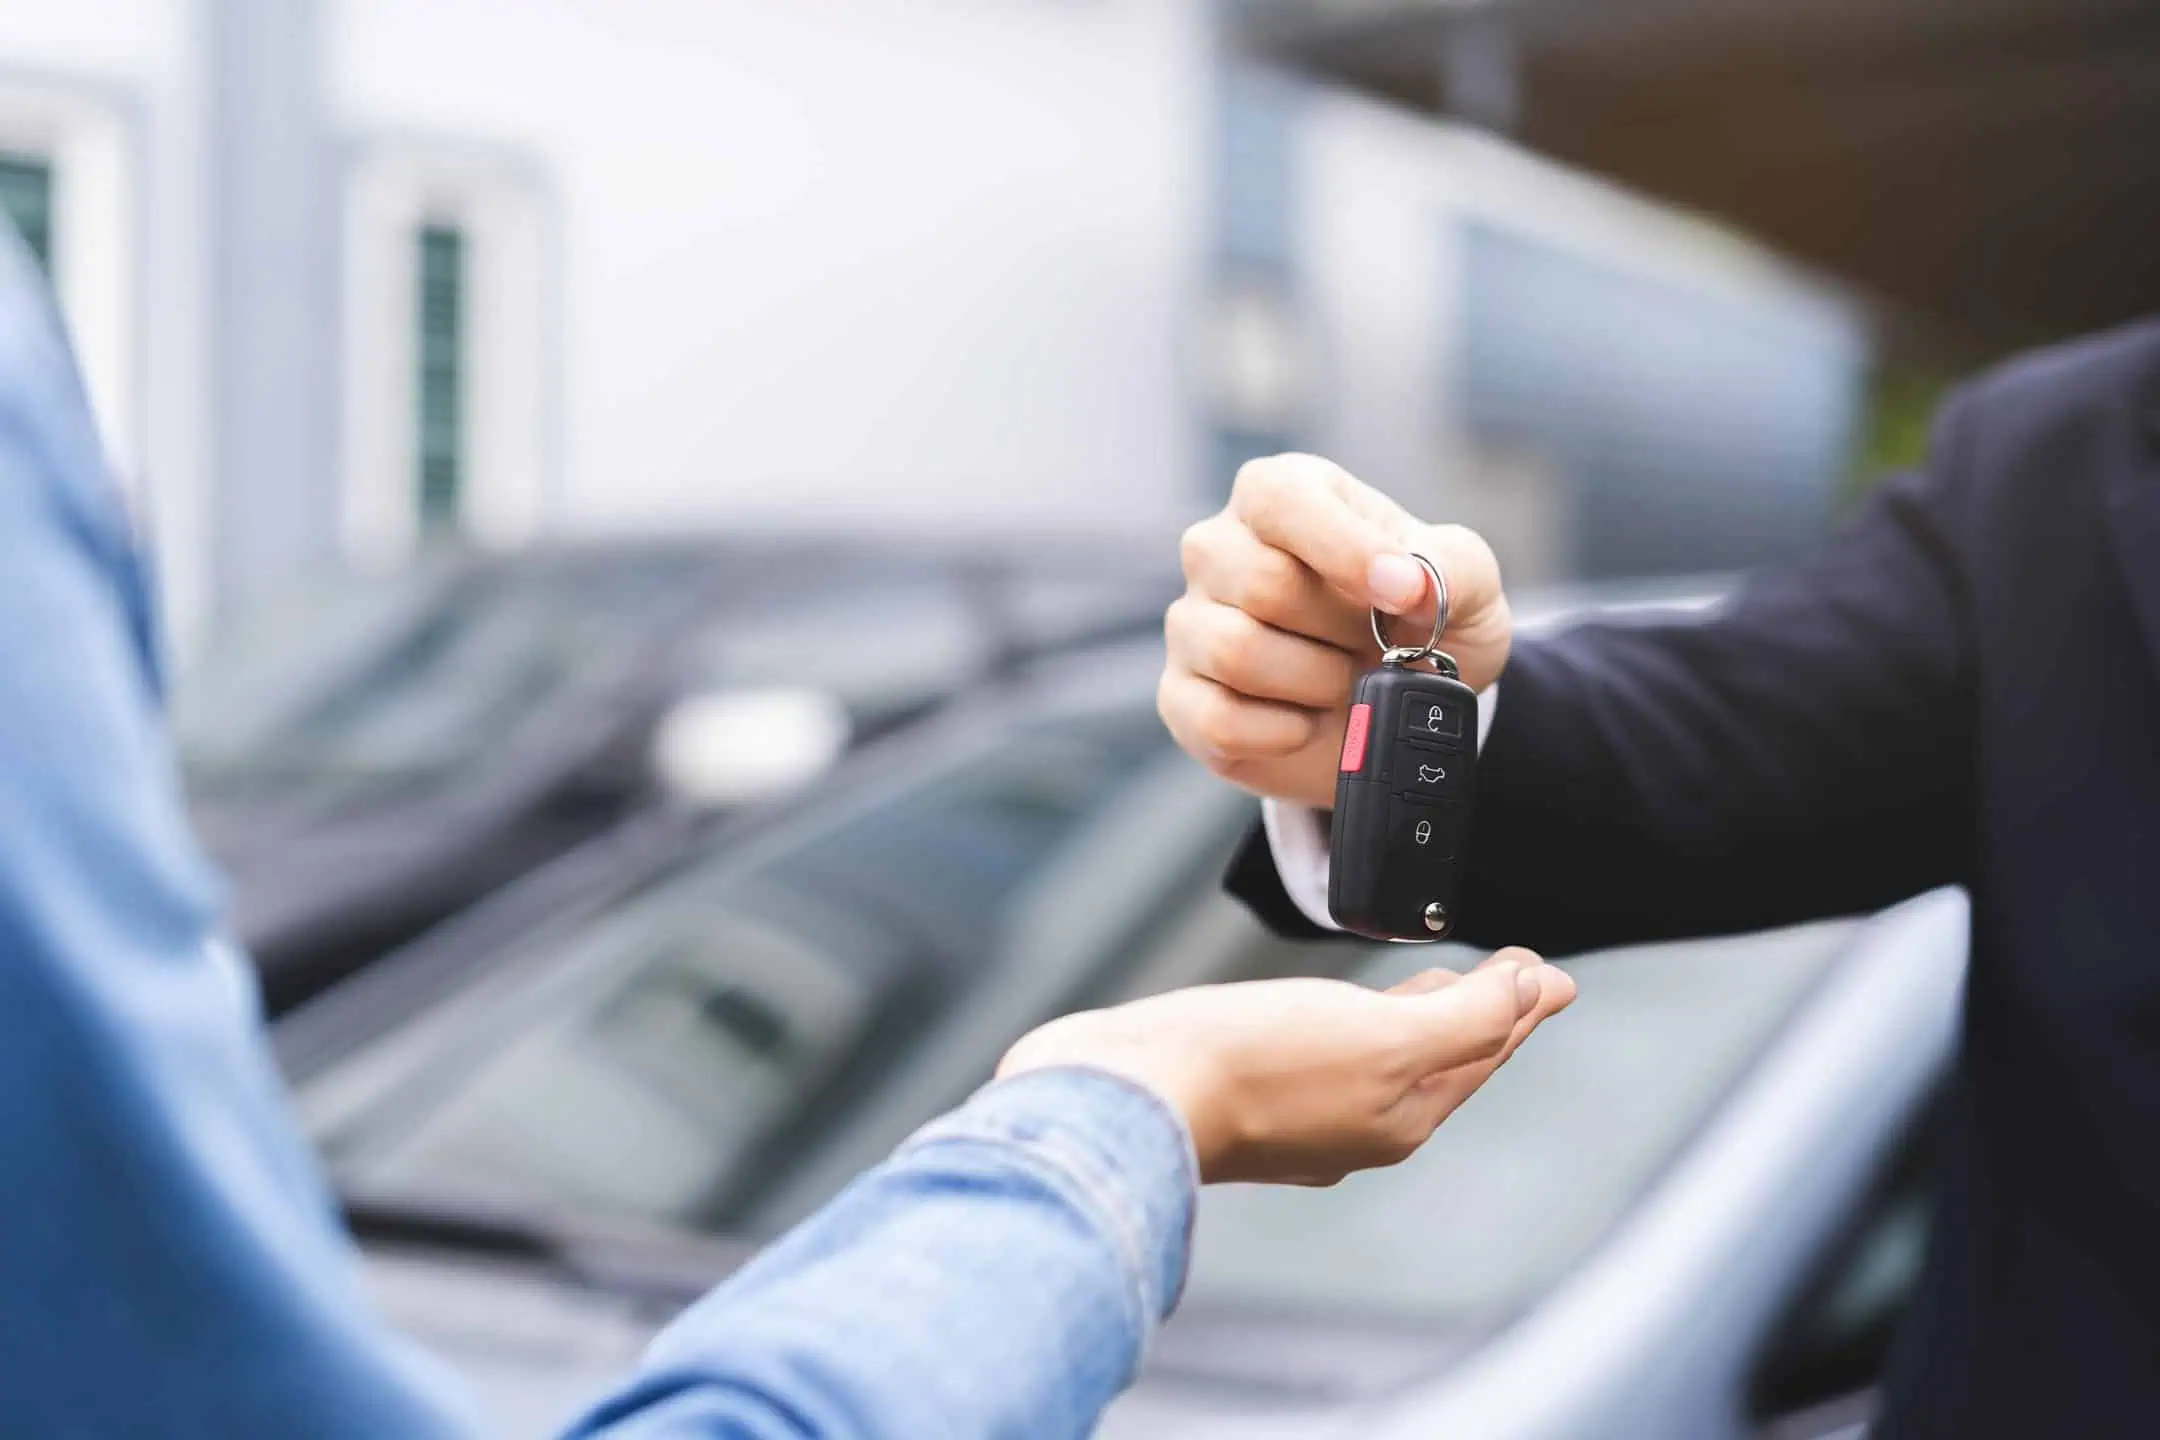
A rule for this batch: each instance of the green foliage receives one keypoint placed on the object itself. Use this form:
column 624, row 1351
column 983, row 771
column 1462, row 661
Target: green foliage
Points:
column 1901, row 405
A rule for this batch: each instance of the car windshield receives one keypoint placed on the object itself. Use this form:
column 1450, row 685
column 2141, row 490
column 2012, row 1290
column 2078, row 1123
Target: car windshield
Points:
column 1519, row 1184
column 417, row 675
column 726, row 1051
column 671, row 1059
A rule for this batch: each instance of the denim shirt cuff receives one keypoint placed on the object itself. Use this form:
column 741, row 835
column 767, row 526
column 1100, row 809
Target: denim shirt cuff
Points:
column 1110, row 1146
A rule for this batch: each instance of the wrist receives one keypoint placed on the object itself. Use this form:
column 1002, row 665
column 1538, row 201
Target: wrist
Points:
column 1109, row 1147
column 1183, row 1078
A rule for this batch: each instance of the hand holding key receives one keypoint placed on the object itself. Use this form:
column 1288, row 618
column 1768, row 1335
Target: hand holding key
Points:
column 1275, row 625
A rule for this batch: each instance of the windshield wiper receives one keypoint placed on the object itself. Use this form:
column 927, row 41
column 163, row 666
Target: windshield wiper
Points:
column 455, row 1225
column 666, row 1267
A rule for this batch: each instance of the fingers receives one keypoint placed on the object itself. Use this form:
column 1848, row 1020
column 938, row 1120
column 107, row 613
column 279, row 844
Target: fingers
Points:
column 1556, row 988
column 1265, row 647
column 1229, row 646
column 1359, row 543
column 1211, row 720
column 1443, row 1090
column 1470, row 1020
column 1224, row 561
column 1465, row 561
column 1556, row 991
column 1295, row 504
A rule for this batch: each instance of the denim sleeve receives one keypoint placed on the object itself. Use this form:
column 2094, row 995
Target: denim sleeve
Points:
column 169, row 1258
column 999, row 1276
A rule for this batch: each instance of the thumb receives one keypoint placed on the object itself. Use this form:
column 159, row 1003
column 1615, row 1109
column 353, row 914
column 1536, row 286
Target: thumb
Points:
column 1471, row 1019
column 1400, row 586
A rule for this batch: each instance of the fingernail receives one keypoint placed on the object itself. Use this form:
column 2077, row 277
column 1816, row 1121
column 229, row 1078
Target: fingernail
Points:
column 1526, row 991
column 1397, row 582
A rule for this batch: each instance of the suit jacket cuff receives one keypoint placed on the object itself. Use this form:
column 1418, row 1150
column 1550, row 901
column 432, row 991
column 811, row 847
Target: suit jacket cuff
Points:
column 1297, row 840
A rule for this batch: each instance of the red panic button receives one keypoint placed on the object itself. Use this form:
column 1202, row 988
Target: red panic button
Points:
column 1353, row 740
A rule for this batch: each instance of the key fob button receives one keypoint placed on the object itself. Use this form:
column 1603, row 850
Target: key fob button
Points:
column 1429, row 773
column 1421, row 833
column 1355, row 735
column 1429, row 715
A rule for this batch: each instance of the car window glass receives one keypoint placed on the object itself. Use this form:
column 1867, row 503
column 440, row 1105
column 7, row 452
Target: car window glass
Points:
column 880, row 645
column 1519, row 1184
column 640, row 1069
column 1093, row 929
column 635, row 1100
column 447, row 684
column 258, row 673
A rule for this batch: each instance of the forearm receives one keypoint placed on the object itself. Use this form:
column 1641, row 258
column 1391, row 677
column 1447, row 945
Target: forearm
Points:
column 999, row 1276
column 1656, row 784
column 1804, row 751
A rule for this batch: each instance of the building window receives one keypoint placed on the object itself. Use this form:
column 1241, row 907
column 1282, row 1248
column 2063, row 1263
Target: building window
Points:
column 449, row 410
column 71, row 182
column 26, row 201
column 440, row 382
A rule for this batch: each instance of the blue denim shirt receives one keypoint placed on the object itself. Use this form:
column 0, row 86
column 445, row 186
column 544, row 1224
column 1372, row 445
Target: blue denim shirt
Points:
column 170, row 1259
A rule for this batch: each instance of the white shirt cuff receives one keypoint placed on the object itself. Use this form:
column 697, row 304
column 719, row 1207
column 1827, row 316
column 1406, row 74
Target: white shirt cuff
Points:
column 1297, row 836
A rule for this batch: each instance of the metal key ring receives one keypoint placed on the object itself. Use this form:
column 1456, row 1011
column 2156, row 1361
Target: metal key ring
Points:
column 1411, row 654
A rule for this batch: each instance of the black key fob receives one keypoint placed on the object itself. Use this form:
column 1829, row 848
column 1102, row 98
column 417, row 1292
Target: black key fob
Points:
column 1402, row 795
column 1402, row 804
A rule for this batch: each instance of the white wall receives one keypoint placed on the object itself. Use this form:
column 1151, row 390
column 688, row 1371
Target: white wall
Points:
column 900, row 263
column 116, row 83
column 907, row 262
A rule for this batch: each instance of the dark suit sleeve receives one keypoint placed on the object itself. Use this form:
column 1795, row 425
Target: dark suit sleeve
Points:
column 1805, row 751
column 1254, row 880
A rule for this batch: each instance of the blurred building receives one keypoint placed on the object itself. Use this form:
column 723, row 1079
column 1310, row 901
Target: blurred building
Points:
column 349, row 274
column 1986, row 172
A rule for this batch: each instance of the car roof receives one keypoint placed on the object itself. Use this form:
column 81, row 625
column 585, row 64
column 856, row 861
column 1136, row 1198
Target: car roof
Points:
column 1053, row 553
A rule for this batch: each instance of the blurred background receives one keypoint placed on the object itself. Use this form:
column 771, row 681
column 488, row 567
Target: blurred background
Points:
column 663, row 509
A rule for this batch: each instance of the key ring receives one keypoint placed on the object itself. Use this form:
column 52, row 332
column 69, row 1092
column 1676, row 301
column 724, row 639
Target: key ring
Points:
column 1411, row 654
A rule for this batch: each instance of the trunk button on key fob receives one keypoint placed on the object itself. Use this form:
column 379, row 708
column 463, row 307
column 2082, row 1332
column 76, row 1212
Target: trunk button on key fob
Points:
column 1423, row 774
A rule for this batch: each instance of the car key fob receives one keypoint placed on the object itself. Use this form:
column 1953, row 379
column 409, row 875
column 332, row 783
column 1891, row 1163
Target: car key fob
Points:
column 1403, row 794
